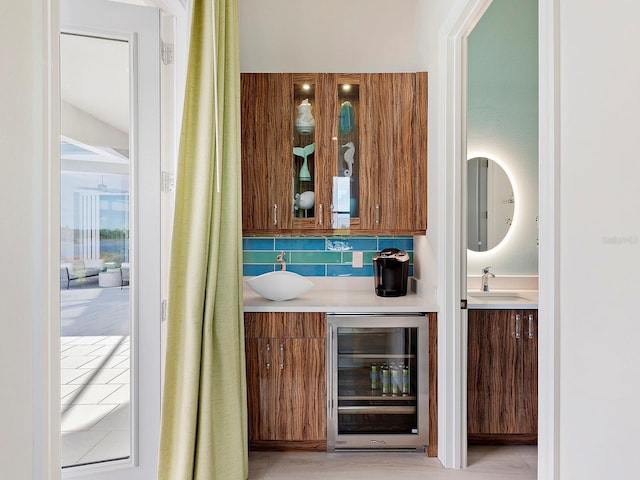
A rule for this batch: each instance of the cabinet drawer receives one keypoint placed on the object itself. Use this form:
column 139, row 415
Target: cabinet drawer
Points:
column 285, row 325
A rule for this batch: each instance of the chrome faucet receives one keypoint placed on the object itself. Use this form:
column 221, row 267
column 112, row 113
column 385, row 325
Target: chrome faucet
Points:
column 281, row 259
column 485, row 278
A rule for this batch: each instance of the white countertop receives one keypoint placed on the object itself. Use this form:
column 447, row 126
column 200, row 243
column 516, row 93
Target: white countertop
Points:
column 338, row 296
column 502, row 299
column 356, row 295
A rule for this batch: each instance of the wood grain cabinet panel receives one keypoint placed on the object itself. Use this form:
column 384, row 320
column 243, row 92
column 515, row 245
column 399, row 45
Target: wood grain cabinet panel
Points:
column 266, row 146
column 502, row 376
column 391, row 157
column 286, row 380
column 394, row 152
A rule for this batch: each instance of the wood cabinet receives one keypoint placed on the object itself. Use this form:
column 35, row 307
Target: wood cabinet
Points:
column 386, row 137
column 286, row 380
column 394, row 152
column 502, row 376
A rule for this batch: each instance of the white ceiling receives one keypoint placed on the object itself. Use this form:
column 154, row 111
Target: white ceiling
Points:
column 94, row 78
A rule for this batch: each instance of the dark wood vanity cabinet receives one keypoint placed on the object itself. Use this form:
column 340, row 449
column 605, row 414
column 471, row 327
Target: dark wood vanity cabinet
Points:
column 502, row 376
column 286, row 380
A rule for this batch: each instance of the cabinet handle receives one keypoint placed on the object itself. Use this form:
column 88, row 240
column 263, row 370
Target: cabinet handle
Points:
column 530, row 334
column 517, row 335
column 281, row 356
column 269, row 358
column 320, row 214
column 377, row 214
column 275, row 214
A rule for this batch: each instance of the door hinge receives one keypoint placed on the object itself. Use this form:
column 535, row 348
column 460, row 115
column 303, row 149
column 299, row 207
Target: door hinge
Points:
column 167, row 53
column 164, row 310
column 463, row 304
column 168, row 181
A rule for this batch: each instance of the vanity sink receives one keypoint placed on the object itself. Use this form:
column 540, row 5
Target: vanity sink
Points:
column 280, row 285
column 498, row 296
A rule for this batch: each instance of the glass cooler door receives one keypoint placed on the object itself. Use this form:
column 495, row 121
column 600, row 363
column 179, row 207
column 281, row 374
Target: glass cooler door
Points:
column 378, row 382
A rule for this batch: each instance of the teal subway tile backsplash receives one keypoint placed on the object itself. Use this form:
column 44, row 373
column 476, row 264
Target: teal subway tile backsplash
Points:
column 318, row 256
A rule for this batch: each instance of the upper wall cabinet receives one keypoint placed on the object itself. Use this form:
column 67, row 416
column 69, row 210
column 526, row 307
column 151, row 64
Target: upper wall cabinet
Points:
column 334, row 153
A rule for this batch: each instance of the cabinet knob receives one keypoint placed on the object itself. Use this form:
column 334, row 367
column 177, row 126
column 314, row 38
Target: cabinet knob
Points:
column 275, row 214
column 530, row 334
column 377, row 214
column 320, row 214
column 517, row 321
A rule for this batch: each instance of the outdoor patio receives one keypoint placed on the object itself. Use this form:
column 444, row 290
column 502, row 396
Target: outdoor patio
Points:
column 95, row 373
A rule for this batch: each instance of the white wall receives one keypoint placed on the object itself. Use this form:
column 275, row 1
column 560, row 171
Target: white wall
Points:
column 502, row 124
column 599, row 239
column 329, row 36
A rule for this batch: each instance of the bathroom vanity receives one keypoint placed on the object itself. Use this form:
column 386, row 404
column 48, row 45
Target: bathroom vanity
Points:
column 502, row 368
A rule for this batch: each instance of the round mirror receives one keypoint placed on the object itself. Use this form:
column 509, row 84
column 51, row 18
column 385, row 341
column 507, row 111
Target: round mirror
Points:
column 490, row 204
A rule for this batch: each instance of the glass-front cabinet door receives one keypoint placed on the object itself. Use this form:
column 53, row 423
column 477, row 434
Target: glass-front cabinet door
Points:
column 307, row 204
column 325, row 157
column 346, row 191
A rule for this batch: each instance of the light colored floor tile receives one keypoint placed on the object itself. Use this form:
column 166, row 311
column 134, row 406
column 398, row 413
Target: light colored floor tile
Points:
column 70, row 375
column 90, row 394
column 113, row 340
column 80, row 361
column 112, row 362
column 123, row 378
column 86, row 339
column 494, row 463
column 66, row 390
column 114, row 445
column 120, row 395
column 76, row 445
column 83, row 417
column 79, row 350
column 117, row 419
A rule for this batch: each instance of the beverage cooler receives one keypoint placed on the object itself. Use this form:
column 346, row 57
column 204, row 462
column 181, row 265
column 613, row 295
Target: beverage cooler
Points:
column 377, row 382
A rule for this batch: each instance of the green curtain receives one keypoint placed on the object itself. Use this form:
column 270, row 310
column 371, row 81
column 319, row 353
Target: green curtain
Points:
column 204, row 419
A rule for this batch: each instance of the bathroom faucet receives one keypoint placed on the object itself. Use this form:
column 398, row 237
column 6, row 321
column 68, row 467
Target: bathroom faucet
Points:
column 485, row 278
column 281, row 260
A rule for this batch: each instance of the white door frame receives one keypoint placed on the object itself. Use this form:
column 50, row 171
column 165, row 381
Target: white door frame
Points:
column 452, row 117
column 140, row 27
column 46, row 354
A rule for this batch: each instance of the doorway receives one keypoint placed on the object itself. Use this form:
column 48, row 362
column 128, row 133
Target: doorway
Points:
column 502, row 156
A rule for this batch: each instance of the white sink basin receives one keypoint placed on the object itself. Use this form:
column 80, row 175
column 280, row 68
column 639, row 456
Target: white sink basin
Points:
column 498, row 296
column 280, row 285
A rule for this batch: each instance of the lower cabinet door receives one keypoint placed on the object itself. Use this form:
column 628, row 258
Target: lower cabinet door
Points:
column 286, row 393
column 493, row 373
column 261, row 389
column 529, row 403
column 300, row 413
column 502, row 376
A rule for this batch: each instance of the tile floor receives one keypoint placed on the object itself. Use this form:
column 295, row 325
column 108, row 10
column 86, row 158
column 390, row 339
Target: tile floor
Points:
column 95, row 375
column 485, row 463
